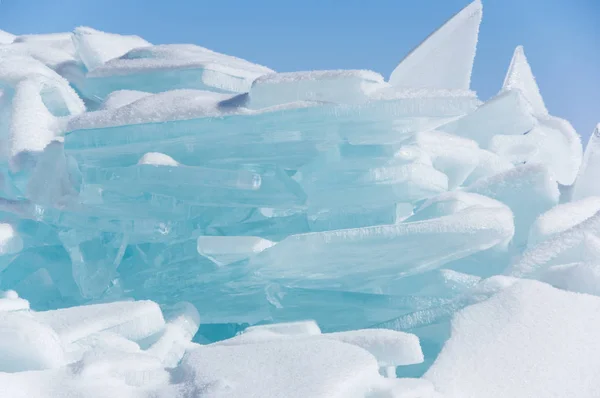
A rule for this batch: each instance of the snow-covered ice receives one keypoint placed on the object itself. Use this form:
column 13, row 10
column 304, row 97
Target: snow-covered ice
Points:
column 177, row 222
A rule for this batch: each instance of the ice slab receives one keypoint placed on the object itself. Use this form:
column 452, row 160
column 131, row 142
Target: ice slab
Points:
column 454, row 156
column 333, row 86
column 95, row 48
column 223, row 250
column 580, row 243
column 451, row 203
column 529, row 190
column 270, row 369
column 475, row 358
column 452, row 45
column 63, row 41
column 345, row 257
column 171, row 105
column 562, row 217
column 26, row 344
column 52, row 57
column 370, row 176
column 133, row 320
column 586, row 184
column 520, row 77
column 120, row 98
column 169, row 67
column 508, row 113
column 552, row 142
column 389, row 347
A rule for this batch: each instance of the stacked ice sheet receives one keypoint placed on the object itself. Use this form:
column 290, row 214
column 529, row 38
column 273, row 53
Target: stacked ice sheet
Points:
column 400, row 215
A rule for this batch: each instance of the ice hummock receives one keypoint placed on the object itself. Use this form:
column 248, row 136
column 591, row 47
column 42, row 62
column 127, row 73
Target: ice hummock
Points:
column 178, row 222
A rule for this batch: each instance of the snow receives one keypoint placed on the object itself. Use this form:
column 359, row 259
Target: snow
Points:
column 158, row 159
column 6, row 38
column 525, row 342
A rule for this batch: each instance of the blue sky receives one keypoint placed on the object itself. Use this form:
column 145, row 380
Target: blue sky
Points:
column 561, row 37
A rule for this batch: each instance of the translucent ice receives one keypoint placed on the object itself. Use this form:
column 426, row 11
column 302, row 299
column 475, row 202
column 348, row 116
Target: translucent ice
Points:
column 586, row 184
column 169, row 67
column 96, row 48
column 452, row 45
column 345, row 257
column 520, row 77
column 337, row 86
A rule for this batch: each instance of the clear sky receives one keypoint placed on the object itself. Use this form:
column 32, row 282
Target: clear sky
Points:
column 561, row 37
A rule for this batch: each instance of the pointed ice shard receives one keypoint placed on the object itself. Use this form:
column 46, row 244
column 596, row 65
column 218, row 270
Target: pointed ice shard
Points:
column 587, row 181
column 519, row 76
column 445, row 58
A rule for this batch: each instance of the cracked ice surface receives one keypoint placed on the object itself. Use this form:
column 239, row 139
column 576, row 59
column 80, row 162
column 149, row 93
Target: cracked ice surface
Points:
column 182, row 223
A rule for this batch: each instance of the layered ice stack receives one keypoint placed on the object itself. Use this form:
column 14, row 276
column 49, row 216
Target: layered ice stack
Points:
column 172, row 218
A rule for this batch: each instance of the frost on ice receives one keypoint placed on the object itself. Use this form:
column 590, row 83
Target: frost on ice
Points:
column 178, row 222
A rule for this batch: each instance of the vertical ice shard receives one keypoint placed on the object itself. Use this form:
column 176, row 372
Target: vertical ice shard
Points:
column 519, row 76
column 587, row 180
column 445, row 58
